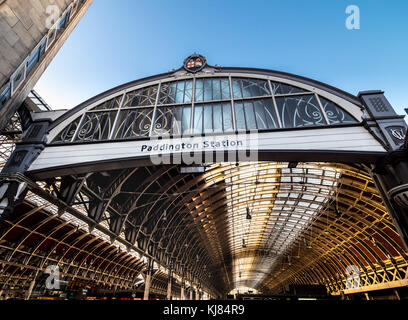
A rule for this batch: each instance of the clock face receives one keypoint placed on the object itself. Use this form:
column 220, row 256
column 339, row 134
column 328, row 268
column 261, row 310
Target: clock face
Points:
column 194, row 63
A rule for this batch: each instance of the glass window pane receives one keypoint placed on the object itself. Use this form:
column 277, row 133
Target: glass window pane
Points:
column 207, row 90
column 264, row 88
column 176, row 92
column 216, row 89
column 141, row 97
column 171, row 97
column 217, row 118
column 250, row 116
column 281, row 88
column 186, row 120
column 164, row 91
column 250, row 88
column 334, row 113
column 134, row 123
column 125, row 123
column 61, row 24
column 180, row 92
column 87, row 128
column 227, row 117
column 199, row 90
column 176, row 120
column 236, row 88
column 270, row 114
column 260, row 114
column 172, row 120
column 188, row 94
column 198, row 119
column 208, row 119
column 18, row 78
column 104, row 126
column 42, row 47
column 109, row 104
column 68, row 132
column 239, row 116
column 299, row 111
column 152, row 96
column 96, row 126
column 51, row 36
column 225, row 90
column 132, row 99
column 33, row 60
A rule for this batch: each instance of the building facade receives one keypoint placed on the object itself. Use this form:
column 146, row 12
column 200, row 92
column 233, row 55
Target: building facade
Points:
column 31, row 34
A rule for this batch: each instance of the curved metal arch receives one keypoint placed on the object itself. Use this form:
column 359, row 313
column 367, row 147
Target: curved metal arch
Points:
column 181, row 240
column 56, row 229
column 91, row 253
column 341, row 261
column 266, row 199
column 194, row 250
column 353, row 246
column 183, row 237
column 67, row 273
column 286, row 78
column 206, row 206
column 361, row 209
column 207, row 259
column 58, row 241
column 326, row 252
column 164, row 188
column 341, row 202
column 126, row 210
column 317, row 255
column 352, row 254
column 81, row 263
column 361, row 230
column 325, row 247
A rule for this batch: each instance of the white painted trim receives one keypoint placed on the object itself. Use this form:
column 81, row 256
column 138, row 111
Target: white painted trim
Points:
column 356, row 139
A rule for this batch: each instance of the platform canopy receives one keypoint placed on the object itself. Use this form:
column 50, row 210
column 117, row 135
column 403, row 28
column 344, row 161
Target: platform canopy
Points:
column 303, row 208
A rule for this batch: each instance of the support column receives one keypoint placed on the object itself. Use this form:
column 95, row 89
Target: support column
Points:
column 31, row 287
column 14, row 186
column 12, row 192
column 182, row 297
column 397, row 294
column 390, row 174
column 148, row 279
column 391, row 180
column 191, row 292
column 169, row 286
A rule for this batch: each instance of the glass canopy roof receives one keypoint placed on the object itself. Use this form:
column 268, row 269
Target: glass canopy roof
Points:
column 267, row 207
column 203, row 105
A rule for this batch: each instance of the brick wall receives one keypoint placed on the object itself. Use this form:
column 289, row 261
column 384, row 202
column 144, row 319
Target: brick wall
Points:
column 22, row 25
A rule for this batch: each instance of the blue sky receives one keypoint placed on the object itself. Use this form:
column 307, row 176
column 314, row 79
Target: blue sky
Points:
column 123, row 40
